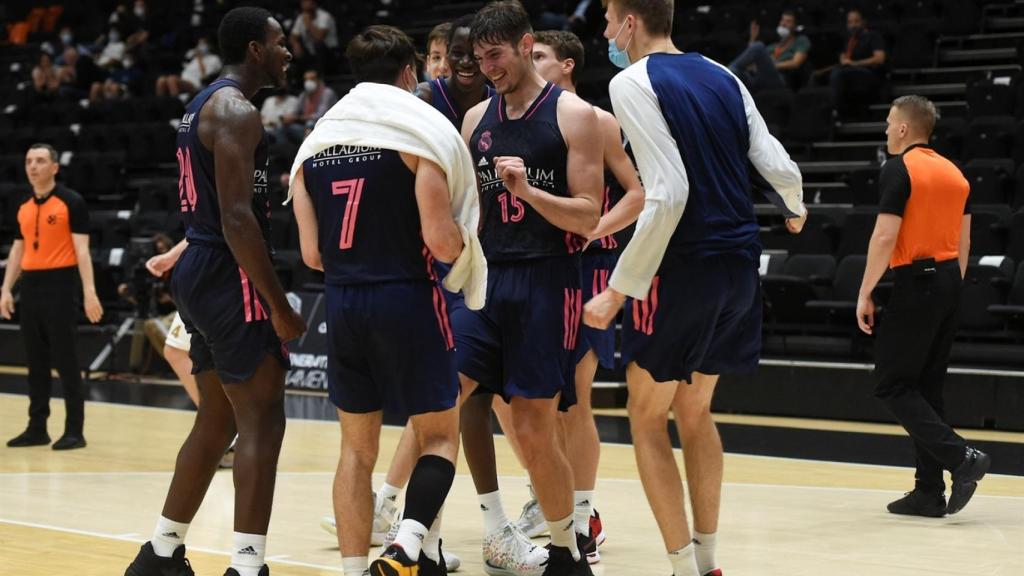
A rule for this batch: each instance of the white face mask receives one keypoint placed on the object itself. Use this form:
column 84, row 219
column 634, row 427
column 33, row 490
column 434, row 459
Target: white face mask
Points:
column 140, row 12
column 783, row 32
column 114, row 37
column 66, row 38
column 310, row 85
column 203, row 49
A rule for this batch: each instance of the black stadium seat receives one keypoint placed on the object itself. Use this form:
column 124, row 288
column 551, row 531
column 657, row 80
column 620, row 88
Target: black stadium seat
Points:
column 1013, row 311
column 986, row 284
column 989, row 137
column 990, row 180
column 986, row 98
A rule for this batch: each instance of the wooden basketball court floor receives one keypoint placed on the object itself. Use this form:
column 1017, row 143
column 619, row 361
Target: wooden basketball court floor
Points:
column 85, row 512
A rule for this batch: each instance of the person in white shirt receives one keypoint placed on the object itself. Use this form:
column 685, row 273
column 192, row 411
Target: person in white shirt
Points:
column 314, row 30
column 691, row 268
column 201, row 65
column 275, row 108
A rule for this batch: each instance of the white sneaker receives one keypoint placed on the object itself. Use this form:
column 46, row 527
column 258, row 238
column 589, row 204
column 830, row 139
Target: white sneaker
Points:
column 384, row 512
column 228, row 459
column 531, row 522
column 509, row 552
column 329, row 525
column 383, row 516
column 451, row 561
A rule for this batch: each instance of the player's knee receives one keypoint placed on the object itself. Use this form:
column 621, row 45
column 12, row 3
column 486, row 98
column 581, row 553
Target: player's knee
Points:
column 646, row 416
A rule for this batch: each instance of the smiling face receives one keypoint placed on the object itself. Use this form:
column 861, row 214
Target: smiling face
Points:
column 275, row 56
column 505, row 64
column 464, row 69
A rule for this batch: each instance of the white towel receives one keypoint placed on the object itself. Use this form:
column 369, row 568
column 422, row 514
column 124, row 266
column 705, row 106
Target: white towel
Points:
column 385, row 116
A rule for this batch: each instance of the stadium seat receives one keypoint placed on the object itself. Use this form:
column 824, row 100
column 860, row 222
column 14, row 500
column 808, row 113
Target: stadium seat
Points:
column 986, row 284
column 841, row 305
column 864, row 186
column 948, row 137
column 775, row 107
column 814, row 122
column 989, row 179
column 1013, row 311
column 989, row 137
column 856, row 232
column 988, row 229
column 986, row 98
column 1015, row 238
column 805, row 278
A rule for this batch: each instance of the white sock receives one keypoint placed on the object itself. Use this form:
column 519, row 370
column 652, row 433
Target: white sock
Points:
column 494, row 514
column 411, row 535
column 705, row 545
column 432, row 543
column 533, row 495
column 355, row 565
column 563, row 535
column 247, row 553
column 583, row 509
column 167, row 536
column 388, row 492
column 683, row 561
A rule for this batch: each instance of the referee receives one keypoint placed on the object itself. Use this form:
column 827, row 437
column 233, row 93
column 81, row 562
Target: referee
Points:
column 52, row 240
column 922, row 233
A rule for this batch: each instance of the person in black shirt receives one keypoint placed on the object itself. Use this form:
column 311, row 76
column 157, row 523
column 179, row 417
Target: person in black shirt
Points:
column 856, row 80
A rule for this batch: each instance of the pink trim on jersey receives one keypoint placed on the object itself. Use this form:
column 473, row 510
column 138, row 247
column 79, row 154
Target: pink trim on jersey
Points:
column 444, row 94
column 571, row 317
column 537, row 104
column 246, row 298
column 440, row 304
column 501, row 108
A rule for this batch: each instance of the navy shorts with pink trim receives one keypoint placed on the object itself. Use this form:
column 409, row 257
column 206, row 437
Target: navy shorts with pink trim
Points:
column 523, row 342
column 390, row 347
column 702, row 314
column 228, row 320
column 597, row 269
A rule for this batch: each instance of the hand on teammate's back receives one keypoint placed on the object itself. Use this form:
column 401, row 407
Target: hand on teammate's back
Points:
column 601, row 310
column 288, row 325
column 796, row 225
column 160, row 264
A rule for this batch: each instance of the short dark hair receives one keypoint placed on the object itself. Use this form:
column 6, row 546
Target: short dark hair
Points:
column 44, row 146
column 789, row 12
column 239, row 27
column 501, row 22
column 379, row 53
column 566, row 45
column 440, row 32
column 465, row 21
column 656, row 14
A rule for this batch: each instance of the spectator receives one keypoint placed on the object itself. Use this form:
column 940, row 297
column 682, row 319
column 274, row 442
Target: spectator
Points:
column 763, row 67
column 857, row 79
column 202, row 66
column 317, row 98
column 108, row 90
column 275, row 108
column 113, row 51
column 45, row 76
column 142, row 284
column 78, row 73
column 131, row 24
column 437, row 51
column 313, row 34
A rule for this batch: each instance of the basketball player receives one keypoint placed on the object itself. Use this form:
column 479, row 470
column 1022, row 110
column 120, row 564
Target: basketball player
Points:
column 178, row 341
column 538, row 155
column 691, row 267
column 230, row 301
column 391, row 210
column 558, row 57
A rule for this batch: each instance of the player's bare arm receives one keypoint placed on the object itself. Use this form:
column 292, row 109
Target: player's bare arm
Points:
column 628, row 209
column 305, row 217
column 231, row 127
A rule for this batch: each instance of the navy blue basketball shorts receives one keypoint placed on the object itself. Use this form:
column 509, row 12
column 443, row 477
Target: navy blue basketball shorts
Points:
column 390, row 347
column 701, row 315
column 596, row 269
column 523, row 341
column 228, row 320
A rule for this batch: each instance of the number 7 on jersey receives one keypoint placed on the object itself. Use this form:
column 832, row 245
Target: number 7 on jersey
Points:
column 354, row 190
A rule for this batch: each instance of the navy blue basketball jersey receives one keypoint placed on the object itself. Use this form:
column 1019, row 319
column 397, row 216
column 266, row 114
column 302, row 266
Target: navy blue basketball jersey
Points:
column 511, row 229
column 442, row 99
column 368, row 218
column 197, row 183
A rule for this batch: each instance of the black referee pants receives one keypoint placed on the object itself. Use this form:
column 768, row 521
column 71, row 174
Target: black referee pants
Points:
column 911, row 357
column 49, row 309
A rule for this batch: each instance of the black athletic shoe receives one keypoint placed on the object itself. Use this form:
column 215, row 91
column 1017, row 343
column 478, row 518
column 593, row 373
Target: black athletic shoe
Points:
column 965, row 479
column 918, row 503
column 30, row 437
column 430, row 568
column 588, row 547
column 265, row 571
column 394, row 562
column 69, row 442
column 147, row 563
column 560, row 563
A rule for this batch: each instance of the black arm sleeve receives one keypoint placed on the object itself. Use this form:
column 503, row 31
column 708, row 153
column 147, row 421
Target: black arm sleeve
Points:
column 78, row 212
column 893, row 187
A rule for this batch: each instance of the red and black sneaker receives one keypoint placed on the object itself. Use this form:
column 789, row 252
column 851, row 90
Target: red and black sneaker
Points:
column 596, row 528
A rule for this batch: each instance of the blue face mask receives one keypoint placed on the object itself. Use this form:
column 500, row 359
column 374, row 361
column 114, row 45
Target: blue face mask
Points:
column 619, row 58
